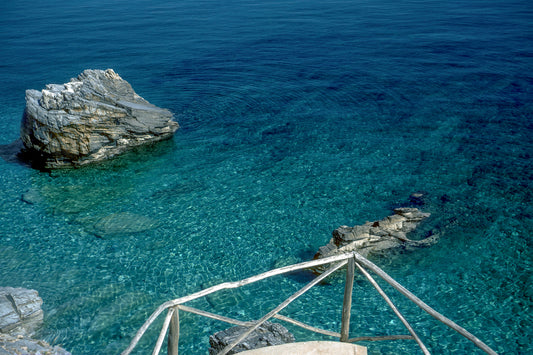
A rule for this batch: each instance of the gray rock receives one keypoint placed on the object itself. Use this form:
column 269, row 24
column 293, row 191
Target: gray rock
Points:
column 20, row 311
column 20, row 316
column 372, row 237
column 32, row 196
column 122, row 223
column 10, row 345
column 268, row 334
column 91, row 118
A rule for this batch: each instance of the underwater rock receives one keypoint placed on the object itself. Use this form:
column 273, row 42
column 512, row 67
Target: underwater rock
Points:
column 123, row 223
column 20, row 311
column 371, row 237
column 93, row 117
column 417, row 199
column 268, row 334
column 32, row 196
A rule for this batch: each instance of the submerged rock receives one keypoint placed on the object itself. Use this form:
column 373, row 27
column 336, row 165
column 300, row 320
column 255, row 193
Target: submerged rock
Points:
column 91, row 118
column 268, row 334
column 32, row 196
column 122, row 223
column 371, row 237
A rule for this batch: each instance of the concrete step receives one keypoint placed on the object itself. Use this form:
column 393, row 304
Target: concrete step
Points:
column 310, row 348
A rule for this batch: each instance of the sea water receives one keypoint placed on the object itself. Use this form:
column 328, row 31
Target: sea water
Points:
column 296, row 117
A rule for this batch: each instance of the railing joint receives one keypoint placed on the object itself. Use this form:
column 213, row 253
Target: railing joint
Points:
column 353, row 259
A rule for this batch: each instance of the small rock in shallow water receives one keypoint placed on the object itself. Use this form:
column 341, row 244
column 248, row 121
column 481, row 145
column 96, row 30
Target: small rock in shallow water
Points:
column 32, row 196
column 123, row 223
column 268, row 334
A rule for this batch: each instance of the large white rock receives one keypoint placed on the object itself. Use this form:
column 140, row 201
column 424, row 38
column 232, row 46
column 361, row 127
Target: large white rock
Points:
column 91, row 118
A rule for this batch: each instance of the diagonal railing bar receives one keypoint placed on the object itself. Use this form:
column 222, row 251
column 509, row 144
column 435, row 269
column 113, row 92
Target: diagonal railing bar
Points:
column 394, row 309
column 163, row 332
column 380, row 338
column 370, row 265
column 171, row 323
column 229, row 285
column 214, row 316
column 283, row 305
column 305, row 326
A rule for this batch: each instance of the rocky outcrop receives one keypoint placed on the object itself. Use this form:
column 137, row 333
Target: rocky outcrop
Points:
column 91, row 118
column 268, row 334
column 20, row 316
column 372, row 237
column 11, row 345
column 20, row 311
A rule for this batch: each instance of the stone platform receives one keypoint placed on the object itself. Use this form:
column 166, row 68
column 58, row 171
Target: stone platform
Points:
column 310, row 348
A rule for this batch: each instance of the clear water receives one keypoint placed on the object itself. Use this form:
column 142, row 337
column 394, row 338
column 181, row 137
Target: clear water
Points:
column 296, row 117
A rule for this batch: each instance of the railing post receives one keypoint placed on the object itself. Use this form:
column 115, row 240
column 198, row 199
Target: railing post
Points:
column 347, row 302
column 174, row 333
column 394, row 309
column 282, row 305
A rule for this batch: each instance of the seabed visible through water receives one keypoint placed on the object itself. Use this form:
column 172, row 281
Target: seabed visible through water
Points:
column 296, row 117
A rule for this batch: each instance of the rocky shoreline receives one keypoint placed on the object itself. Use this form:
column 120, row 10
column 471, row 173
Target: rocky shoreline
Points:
column 20, row 316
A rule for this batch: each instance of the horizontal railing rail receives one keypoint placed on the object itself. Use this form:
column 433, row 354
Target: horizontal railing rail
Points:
column 170, row 328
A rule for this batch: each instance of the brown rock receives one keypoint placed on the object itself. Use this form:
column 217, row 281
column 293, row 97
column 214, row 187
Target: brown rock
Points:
column 371, row 237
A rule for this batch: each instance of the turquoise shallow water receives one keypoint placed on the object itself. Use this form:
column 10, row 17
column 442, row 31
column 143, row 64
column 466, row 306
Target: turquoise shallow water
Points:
column 296, row 117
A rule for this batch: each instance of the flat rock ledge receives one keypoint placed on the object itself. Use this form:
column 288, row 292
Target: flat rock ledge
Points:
column 373, row 237
column 93, row 117
column 268, row 334
column 20, row 311
column 20, row 345
column 20, row 316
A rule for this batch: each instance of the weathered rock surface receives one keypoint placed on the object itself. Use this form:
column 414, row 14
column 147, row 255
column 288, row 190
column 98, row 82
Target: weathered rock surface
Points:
column 11, row 345
column 268, row 334
column 91, row 118
column 371, row 237
column 20, row 316
column 20, row 311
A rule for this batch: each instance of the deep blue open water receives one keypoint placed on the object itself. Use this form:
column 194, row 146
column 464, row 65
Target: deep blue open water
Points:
column 296, row 116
